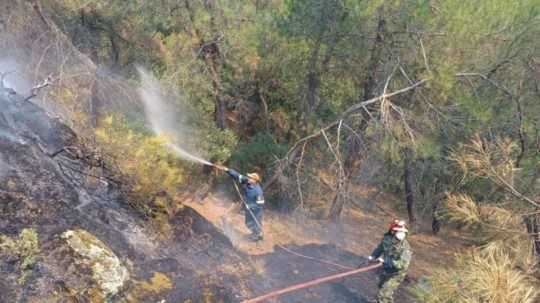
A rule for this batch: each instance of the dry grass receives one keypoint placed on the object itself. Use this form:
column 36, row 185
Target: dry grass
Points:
column 462, row 209
column 482, row 158
column 487, row 275
column 259, row 267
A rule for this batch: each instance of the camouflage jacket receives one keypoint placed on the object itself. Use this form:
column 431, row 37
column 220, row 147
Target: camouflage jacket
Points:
column 396, row 254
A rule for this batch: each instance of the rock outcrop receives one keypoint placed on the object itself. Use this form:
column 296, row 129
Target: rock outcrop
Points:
column 107, row 270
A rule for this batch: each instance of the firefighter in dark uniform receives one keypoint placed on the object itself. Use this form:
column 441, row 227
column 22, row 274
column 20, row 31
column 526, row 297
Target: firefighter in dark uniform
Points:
column 254, row 198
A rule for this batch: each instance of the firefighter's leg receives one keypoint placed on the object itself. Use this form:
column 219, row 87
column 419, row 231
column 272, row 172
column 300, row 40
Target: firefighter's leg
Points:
column 387, row 286
column 250, row 222
column 257, row 211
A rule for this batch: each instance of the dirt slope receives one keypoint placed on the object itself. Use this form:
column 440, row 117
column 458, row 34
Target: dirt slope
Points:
column 345, row 243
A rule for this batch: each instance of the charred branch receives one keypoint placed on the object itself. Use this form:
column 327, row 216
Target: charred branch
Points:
column 35, row 90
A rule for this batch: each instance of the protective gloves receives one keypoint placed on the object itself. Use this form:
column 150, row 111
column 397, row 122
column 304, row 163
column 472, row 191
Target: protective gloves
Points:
column 371, row 258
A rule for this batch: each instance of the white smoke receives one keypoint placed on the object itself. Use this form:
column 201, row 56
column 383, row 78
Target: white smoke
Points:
column 4, row 169
column 166, row 119
column 13, row 76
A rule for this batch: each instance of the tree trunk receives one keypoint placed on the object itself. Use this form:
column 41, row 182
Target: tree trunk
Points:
column 369, row 84
column 219, row 113
column 95, row 103
column 407, row 180
column 265, row 110
column 313, row 77
column 435, row 221
column 339, row 199
column 350, row 165
column 533, row 228
column 211, row 55
column 312, row 83
column 115, row 52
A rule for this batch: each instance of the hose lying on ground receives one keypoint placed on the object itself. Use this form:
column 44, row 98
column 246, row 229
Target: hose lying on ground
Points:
column 305, row 284
column 311, row 283
column 281, row 246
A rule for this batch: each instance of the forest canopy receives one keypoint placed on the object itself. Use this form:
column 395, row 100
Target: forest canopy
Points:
column 437, row 102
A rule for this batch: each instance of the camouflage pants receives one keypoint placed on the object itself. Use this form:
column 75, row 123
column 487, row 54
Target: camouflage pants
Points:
column 388, row 284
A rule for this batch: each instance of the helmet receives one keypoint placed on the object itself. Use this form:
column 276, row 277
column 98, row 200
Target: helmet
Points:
column 398, row 225
column 255, row 177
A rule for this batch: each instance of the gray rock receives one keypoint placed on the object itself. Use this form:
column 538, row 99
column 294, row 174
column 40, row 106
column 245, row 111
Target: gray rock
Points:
column 107, row 270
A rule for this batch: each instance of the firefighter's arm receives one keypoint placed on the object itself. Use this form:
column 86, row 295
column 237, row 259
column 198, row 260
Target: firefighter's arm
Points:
column 378, row 251
column 236, row 176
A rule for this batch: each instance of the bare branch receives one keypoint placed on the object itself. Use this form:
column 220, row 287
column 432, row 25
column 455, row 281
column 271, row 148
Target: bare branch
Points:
column 298, row 166
column 349, row 111
column 338, row 135
column 495, row 84
column 424, row 54
column 338, row 160
column 35, row 90
column 385, row 103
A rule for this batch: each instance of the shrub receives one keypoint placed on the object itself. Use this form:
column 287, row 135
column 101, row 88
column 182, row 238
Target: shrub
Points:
column 25, row 247
column 143, row 161
column 258, row 154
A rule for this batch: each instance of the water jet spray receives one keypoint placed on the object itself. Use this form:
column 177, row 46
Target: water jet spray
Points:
column 164, row 119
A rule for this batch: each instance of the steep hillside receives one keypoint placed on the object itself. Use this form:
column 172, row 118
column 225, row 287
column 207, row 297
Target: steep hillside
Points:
column 68, row 235
column 90, row 244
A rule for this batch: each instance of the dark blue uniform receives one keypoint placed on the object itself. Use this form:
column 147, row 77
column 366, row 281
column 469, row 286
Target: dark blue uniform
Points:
column 253, row 195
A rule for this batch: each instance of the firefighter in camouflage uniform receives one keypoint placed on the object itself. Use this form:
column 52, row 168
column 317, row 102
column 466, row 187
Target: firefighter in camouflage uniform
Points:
column 394, row 252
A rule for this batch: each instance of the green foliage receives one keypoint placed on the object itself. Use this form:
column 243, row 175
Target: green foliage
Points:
column 144, row 161
column 269, row 48
column 314, row 20
column 259, row 154
column 480, row 59
column 25, row 247
column 220, row 144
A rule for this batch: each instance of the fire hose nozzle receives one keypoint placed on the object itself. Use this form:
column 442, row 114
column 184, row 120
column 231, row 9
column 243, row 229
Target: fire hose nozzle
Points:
column 221, row 167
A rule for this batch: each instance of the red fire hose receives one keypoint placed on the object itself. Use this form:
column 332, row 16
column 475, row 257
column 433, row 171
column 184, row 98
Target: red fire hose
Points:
column 311, row 283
